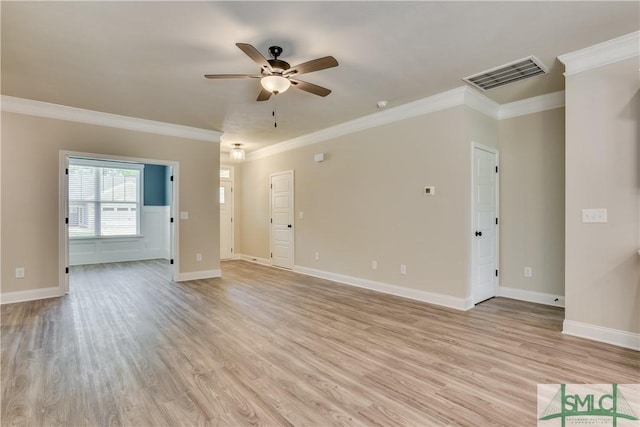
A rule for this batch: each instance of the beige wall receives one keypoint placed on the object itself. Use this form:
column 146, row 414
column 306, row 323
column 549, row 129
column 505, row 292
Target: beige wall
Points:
column 30, row 169
column 349, row 223
column 480, row 128
column 365, row 201
column 602, row 266
column 532, row 201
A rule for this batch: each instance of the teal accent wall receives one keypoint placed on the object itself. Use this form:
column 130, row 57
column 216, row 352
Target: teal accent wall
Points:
column 167, row 190
column 155, row 185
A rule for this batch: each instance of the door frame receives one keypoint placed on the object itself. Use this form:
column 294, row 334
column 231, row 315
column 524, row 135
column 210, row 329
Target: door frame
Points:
column 63, row 206
column 496, row 153
column 232, row 179
column 293, row 215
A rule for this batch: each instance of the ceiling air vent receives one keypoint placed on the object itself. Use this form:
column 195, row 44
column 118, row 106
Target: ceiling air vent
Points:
column 508, row 73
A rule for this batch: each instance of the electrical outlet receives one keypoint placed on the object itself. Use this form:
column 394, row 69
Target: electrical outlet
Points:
column 528, row 272
column 198, row 257
column 317, row 256
column 403, row 269
column 19, row 272
column 374, row 265
column 594, row 215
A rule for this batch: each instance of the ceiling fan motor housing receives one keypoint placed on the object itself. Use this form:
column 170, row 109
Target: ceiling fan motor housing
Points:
column 279, row 65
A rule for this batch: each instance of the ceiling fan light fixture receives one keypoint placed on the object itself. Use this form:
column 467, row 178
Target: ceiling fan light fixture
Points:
column 236, row 153
column 275, row 84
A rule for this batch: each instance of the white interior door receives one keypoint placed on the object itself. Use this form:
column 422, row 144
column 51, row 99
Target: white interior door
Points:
column 484, row 224
column 282, row 232
column 226, row 219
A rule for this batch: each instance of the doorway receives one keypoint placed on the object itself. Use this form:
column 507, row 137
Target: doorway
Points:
column 282, row 214
column 484, row 223
column 109, row 211
column 226, row 212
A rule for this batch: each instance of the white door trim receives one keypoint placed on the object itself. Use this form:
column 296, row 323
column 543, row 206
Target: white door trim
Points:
column 63, row 206
column 293, row 216
column 231, row 179
column 496, row 152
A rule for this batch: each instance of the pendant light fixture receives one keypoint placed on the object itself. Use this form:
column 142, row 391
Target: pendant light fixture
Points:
column 236, row 153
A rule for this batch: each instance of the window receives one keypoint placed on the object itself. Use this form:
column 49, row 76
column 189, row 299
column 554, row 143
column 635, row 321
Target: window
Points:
column 104, row 198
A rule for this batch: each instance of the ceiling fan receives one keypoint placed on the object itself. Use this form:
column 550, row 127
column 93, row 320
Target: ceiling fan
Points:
column 276, row 75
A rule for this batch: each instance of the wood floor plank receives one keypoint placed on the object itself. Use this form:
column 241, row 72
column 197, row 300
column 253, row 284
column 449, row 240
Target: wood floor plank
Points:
column 266, row 346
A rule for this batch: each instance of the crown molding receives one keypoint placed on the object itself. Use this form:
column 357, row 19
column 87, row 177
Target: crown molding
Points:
column 437, row 102
column 536, row 104
column 463, row 95
column 72, row 114
column 478, row 101
column 614, row 50
column 459, row 96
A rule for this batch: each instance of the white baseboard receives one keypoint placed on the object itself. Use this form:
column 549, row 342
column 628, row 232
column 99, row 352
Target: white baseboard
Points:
column 30, row 295
column 257, row 260
column 531, row 296
column 414, row 294
column 198, row 275
column 124, row 256
column 600, row 333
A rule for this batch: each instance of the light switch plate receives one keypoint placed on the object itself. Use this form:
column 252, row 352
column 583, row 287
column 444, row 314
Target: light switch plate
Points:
column 594, row 215
column 184, row 215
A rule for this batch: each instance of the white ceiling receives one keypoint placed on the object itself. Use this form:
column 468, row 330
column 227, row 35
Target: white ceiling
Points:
column 147, row 59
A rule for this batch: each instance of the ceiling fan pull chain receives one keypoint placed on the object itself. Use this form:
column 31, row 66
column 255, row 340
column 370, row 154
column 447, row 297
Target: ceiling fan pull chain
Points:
column 275, row 120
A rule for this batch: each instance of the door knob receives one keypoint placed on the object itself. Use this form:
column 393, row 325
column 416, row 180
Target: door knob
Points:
column 289, row 225
column 478, row 233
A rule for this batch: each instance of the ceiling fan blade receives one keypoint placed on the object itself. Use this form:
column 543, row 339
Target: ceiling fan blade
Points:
column 230, row 76
column 310, row 87
column 257, row 57
column 264, row 95
column 313, row 65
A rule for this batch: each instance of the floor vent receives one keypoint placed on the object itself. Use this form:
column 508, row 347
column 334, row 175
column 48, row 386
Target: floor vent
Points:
column 508, row 73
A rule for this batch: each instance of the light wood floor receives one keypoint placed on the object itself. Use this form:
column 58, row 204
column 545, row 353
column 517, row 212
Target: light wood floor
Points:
column 263, row 346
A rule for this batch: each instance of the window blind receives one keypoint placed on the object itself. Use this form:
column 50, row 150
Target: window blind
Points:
column 104, row 198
